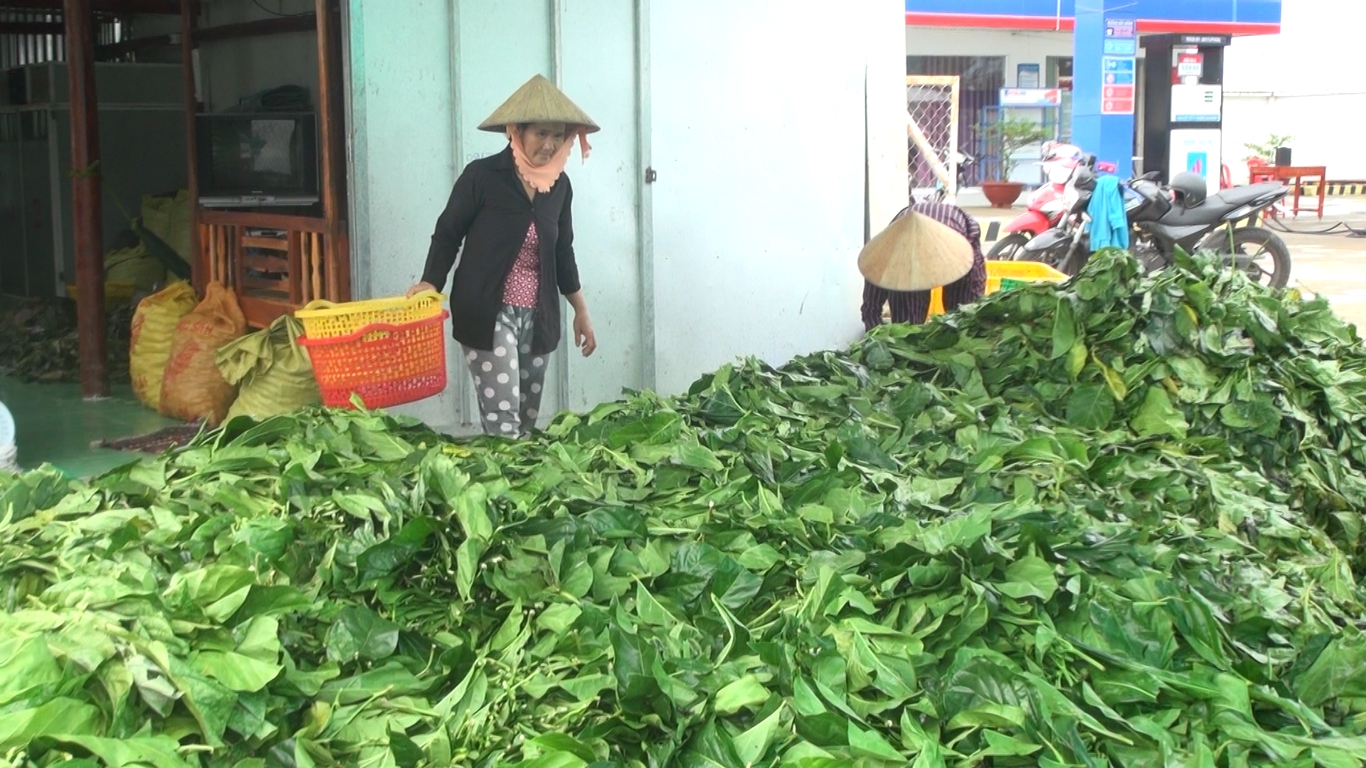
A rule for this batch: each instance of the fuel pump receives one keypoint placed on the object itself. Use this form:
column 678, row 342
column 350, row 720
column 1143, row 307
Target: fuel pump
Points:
column 1183, row 105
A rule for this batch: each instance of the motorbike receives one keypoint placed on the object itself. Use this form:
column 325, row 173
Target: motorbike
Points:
column 1046, row 205
column 1163, row 218
column 965, row 163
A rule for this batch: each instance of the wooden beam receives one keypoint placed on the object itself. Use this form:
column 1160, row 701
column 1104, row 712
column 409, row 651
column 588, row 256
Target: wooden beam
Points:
column 258, row 28
column 332, row 131
column 32, row 28
column 113, row 50
column 166, row 7
column 189, row 20
column 86, row 214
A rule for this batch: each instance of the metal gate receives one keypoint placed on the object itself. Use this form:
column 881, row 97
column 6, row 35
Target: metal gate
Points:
column 932, row 132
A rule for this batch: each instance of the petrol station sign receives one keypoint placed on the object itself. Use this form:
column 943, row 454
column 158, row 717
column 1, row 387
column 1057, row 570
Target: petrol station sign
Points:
column 1119, row 67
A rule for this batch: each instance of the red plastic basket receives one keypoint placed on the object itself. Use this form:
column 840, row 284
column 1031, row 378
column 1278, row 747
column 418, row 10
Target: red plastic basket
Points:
column 384, row 364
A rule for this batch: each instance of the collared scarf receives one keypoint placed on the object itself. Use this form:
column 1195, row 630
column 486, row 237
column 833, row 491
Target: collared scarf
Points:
column 543, row 177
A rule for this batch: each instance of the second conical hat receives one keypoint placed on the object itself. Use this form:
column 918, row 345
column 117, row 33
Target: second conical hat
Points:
column 915, row 253
column 538, row 101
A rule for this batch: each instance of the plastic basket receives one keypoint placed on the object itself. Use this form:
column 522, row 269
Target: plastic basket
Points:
column 328, row 320
column 384, row 364
column 115, row 293
column 1004, row 275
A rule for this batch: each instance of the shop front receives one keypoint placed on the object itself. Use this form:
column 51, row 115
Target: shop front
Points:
column 1023, row 45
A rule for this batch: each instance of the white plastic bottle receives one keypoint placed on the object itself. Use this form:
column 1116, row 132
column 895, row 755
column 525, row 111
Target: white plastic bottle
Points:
column 9, row 451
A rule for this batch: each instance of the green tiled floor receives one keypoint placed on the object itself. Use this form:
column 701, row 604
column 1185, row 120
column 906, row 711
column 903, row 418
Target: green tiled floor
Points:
column 56, row 426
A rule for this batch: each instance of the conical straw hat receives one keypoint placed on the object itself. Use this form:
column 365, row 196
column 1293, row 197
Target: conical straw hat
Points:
column 538, row 101
column 915, row 253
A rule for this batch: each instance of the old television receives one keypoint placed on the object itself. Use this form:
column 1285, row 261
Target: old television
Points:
column 257, row 159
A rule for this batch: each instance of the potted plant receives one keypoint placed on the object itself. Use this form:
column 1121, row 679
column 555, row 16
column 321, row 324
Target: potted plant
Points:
column 1266, row 152
column 1005, row 138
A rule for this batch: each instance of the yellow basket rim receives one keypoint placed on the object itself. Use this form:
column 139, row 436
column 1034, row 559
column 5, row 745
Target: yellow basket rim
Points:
column 322, row 309
column 1040, row 271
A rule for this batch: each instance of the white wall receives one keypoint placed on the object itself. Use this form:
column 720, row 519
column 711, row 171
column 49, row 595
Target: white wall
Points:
column 1306, row 83
column 759, row 129
column 1018, row 47
column 753, row 114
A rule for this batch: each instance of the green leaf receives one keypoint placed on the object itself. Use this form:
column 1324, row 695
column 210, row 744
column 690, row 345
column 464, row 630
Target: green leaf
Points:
column 1339, row 671
column 871, row 745
column 27, row 665
column 236, row 671
column 58, row 717
column 558, row 618
column 407, row 754
column 659, row 428
column 1157, row 418
column 360, row 634
column 1076, row 360
column 471, row 509
column 559, row 742
column 752, row 745
column 746, row 693
column 696, row 456
column 137, row 752
column 1029, row 577
column 1091, row 406
column 467, row 566
column 1001, row 745
column 1064, row 329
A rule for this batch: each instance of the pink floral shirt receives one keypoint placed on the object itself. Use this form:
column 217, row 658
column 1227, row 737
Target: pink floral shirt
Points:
column 524, row 281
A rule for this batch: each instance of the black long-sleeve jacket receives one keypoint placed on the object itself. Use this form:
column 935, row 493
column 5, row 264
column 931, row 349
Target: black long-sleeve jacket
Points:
column 490, row 212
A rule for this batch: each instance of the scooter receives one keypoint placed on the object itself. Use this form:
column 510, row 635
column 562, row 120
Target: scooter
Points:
column 965, row 162
column 1163, row 218
column 1046, row 205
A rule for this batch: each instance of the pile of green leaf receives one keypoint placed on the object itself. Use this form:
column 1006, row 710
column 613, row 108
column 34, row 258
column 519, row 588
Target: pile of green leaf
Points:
column 38, row 340
column 1114, row 522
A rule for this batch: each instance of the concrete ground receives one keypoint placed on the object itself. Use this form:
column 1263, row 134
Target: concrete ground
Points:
column 1326, row 259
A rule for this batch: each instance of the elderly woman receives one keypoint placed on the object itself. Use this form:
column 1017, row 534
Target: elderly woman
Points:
column 512, row 212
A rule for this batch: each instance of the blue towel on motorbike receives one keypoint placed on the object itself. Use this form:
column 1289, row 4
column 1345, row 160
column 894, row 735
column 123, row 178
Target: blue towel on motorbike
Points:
column 1109, row 224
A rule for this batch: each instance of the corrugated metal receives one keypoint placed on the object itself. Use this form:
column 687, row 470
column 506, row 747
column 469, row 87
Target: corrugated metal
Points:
column 981, row 81
column 19, row 50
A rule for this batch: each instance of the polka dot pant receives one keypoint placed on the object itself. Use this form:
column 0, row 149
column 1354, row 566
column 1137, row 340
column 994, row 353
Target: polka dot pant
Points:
column 508, row 378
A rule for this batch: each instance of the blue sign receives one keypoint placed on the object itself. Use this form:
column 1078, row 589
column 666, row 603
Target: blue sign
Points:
column 1115, row 64
column 1119, row 78
column 1121, row 28
column 1237, row 12
column 1121, row 47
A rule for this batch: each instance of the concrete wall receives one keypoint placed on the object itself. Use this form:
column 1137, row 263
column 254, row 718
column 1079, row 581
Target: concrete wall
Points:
column 1306, row 83
column 1018, row 47
column 746, row 244
column 759, row 211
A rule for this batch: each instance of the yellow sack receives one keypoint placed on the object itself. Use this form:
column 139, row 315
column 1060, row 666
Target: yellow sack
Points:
column 193, row 388
column 149, row 346
column 134, row 266
column 271, row 370
column 169, row 219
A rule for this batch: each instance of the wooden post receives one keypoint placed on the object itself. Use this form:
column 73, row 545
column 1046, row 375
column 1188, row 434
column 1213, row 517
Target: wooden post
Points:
column 331, row 119
column 189, row 22
column 86, row 210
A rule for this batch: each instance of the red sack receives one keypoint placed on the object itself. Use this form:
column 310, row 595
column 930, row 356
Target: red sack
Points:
column 193, row 388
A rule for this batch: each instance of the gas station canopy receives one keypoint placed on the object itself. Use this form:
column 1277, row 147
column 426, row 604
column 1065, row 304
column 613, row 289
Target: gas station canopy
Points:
column 1222, row 17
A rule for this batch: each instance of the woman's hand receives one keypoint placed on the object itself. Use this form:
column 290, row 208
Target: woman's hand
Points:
column 583, row 327
column 419, row 288
column 583, row 333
